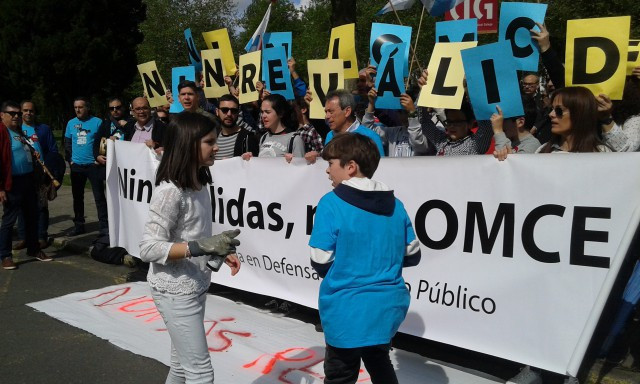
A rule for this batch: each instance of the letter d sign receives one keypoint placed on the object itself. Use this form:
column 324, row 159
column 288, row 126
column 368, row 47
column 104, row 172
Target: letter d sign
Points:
column 596, row 54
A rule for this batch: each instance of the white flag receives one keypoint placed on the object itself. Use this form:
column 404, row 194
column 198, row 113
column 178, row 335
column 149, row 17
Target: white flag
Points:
column 256, row 40
column 398, row 5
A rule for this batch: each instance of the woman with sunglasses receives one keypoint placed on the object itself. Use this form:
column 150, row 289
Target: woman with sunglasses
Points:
column 575, row 126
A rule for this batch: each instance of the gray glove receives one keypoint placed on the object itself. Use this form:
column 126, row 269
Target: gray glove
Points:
column 220, row 245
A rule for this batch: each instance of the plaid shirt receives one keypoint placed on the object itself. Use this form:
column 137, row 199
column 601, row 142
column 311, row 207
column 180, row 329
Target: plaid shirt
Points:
column 311, row 138
column 475, row 144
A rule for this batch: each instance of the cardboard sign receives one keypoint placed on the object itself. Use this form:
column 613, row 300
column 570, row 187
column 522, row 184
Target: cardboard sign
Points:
column 249, row 76
column 324, row 76
column 194, row 56
column 486, row 11
column 152, row 84
column 516, row 21
column 277, row 39
column 597, row 54
column 492, row 80
column 444, row 88
column 633, row 57
column 389, row 82
column 219, row 39
column 457, row 31
column 382, row 34
column 275, row 72
column 213, row 74
column 178, row 75
column 342, row 45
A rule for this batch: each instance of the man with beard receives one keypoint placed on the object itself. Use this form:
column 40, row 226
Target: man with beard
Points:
column 233, row 140
column 112, row 126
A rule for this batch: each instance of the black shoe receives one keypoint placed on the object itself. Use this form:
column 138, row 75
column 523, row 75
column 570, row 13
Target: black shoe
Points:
column 137, row 275
column 286, row 308
column 78, row 230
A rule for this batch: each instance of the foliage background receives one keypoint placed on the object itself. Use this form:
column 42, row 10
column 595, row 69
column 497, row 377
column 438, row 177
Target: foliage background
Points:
column 52, row 51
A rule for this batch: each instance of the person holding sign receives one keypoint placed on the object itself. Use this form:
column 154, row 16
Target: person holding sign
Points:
column 398, row 139
column 626, row 113
column 233, row 140
column 574, row 123
column 178, row 242
column 361, row 240
column 190, row 100
column 458, row 139
column 281, row 139
column 514, row 134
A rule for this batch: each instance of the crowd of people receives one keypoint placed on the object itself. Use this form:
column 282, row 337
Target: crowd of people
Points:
column 556, row 119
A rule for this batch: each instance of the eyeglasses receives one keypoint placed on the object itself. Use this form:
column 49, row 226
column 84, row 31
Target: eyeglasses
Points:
column 13, row 113
column 530, row 85
column 28, row 111
column 559, row 112
column 116, row 108
column 225, row 110
column 141, row 109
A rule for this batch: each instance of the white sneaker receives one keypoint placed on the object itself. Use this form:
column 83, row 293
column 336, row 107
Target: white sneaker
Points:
column 526, row 376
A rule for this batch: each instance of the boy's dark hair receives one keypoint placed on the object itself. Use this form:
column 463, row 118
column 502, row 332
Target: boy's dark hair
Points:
column 466, row 109
column 189, row 84
column 228, row 97
column 354, row 146
column 182, row 155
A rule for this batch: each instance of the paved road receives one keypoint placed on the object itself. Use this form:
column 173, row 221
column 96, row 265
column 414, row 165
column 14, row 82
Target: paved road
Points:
column 36, row 348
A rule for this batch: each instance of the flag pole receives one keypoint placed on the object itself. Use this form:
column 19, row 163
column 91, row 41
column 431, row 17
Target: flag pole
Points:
column 410, row 47
column 415, row 46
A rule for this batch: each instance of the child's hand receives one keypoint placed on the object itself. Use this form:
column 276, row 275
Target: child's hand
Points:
column 233, row 263
column 247, row 156
column 288, row 157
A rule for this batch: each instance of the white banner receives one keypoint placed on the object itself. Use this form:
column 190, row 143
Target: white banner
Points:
column 518, row 256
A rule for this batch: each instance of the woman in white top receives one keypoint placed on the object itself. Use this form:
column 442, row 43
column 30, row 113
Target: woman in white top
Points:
column 626, row 113
column 177, row 242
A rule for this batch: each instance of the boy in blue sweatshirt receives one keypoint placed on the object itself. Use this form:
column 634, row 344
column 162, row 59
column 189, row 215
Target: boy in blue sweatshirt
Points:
column 361, row 239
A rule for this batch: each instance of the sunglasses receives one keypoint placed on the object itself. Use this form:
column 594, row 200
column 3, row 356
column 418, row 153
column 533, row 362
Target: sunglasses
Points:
column 14, row 113
column 559, row 112
column 226, row 110
column 116, row 108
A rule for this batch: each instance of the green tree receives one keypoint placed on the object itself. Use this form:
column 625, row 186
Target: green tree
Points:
column 53, row 51
column 164, row 31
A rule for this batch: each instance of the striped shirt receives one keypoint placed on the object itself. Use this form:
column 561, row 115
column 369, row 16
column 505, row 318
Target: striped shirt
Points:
column 225, row 145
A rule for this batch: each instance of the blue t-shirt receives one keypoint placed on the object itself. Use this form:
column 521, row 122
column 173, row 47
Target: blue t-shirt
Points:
column 362, row 130
column 363, row 298
column 32, row 138
column 82, row 134
column 21, row 160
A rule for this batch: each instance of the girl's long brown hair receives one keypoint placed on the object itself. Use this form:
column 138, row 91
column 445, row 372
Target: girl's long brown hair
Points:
column 180, row 162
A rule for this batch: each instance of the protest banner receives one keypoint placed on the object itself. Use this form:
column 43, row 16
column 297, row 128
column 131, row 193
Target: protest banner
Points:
column 342, row 45
column 194, row 56
column 596, row 55
column 516, row 22
column 178, row 75
column 492, row 80
column 152, row 84
column 213, row 74
column 382, row 34
column 456, row 31
column 389, row 84
column 279, row 39
column 633, row 58
column 486, row 11
column 249, row 76
column 506, row 263
column 445, row 88
column 324, row 76
column 275, row 72
column 219, row 39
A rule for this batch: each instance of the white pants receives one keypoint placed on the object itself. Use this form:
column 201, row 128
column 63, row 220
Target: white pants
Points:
column 184, row 317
